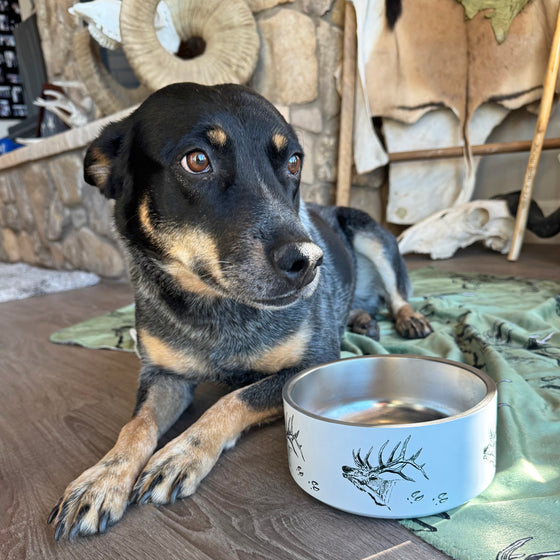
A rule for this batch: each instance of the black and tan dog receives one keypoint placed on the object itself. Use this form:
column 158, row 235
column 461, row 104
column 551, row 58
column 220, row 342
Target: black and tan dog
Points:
column 236, row 280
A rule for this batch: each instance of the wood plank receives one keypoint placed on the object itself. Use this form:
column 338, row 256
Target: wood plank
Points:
column 346, row 133
column 73, row 139
column 549, row 89
column 477, row 150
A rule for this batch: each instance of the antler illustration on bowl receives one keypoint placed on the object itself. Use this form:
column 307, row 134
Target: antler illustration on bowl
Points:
column 368, row 478
column 292, row 437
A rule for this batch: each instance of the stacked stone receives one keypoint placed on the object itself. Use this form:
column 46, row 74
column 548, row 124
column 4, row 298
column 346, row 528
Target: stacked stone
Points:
column 50, row 217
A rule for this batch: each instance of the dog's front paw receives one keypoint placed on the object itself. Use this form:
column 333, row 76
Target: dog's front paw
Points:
column 411, row 324
column 93, row 502
column 175, row 471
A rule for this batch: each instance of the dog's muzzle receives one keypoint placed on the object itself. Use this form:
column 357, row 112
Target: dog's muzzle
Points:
column 297, row 263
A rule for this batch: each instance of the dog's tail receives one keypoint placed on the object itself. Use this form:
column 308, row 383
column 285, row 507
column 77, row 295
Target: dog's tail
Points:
column 537, row 222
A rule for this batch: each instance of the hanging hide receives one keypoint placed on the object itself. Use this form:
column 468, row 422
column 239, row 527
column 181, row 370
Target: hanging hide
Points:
column 419, row 57
column 419, row 188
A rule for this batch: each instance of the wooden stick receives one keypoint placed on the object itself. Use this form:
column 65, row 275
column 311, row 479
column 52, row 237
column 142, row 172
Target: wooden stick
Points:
column 345, row 156
column 478, row 150
column 536, row 147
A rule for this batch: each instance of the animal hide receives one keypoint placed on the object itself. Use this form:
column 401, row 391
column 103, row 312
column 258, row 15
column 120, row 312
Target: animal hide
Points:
column 416, row 57
column 419, row 188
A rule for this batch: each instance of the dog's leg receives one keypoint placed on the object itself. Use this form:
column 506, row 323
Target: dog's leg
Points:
column 99, row 497
column 389, row 270
column 380, row 272
column 176, row 470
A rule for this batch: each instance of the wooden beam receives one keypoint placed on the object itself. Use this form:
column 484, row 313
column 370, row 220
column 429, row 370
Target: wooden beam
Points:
column 549, row 87
column 478, row 150
column 345, row 144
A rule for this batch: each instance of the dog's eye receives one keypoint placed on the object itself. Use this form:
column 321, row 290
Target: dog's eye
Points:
column 294, row 164
column 196, row 162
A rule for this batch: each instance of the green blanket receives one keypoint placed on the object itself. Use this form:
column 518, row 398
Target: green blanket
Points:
column 111, row 331
column 510, row 328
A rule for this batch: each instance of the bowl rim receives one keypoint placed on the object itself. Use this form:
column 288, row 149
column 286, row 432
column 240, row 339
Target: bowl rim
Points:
column 491, row 391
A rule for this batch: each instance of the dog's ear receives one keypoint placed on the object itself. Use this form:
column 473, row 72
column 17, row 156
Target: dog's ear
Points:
column 106, row 160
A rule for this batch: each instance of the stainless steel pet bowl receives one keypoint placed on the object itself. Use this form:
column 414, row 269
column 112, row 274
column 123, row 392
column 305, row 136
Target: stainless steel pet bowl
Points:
column 392, row 436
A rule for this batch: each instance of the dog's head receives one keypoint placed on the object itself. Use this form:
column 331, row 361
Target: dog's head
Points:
column 206, row 182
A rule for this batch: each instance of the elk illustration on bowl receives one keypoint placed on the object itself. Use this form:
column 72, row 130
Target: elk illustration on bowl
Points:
column 372, row 479
column 391, row 436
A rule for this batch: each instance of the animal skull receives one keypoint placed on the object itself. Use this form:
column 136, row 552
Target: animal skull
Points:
column 442, row 233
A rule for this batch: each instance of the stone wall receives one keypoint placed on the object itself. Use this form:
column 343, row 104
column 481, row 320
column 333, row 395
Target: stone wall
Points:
column 50, row 217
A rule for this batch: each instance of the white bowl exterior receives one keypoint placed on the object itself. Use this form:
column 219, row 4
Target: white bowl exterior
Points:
column 457, row 456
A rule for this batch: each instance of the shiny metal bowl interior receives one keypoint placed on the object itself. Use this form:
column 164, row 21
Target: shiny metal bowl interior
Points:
column 389, row 389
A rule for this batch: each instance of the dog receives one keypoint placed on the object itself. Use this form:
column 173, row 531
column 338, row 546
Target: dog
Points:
column 236, row 281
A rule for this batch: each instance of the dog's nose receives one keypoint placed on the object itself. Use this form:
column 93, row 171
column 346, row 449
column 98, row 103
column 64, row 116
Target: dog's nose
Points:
column 298, row 262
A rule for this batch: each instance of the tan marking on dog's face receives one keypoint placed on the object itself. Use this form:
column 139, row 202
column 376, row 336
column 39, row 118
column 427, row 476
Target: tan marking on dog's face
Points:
column 181, row 247
column 279, row 141
column 217, row 136
column 189, row 281
column 162, row 354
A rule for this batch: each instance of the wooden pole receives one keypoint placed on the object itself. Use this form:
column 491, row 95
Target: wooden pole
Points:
column 345, row 156
column 536, row 146
column 478, row 150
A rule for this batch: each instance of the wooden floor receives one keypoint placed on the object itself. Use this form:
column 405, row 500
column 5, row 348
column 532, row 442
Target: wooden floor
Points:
column 61, row 408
